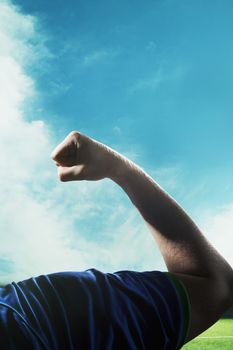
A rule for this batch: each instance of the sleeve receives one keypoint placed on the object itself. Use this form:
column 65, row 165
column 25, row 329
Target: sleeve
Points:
column 161, row 307
column 184, row 305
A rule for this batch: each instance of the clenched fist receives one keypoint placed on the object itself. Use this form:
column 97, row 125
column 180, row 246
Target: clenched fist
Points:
column 79, row 157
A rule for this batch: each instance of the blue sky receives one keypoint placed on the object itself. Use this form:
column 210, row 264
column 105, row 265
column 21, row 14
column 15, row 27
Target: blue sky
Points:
column 158, row 69
column 151, row 79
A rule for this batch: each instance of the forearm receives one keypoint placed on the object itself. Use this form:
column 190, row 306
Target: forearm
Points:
column 183, row 246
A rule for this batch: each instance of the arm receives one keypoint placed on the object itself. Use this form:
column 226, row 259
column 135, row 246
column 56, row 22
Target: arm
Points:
column 206, row 275
column 188, row 255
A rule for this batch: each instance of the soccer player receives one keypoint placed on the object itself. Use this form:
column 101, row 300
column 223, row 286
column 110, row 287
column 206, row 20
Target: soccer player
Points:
column 125, row 309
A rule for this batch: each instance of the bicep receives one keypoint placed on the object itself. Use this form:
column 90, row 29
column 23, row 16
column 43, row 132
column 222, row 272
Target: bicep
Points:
column 207, row 302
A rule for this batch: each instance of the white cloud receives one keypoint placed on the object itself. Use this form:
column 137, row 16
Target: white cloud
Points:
column 117, row 130
column 98, row 57
column 150, row 83
column 133, row 246
column 40, row 217
column 157, row 78
column 19, row 36
column 218, row 227
column 168, row 177
column 215, row 223
column 41, row 227
column 27, row 231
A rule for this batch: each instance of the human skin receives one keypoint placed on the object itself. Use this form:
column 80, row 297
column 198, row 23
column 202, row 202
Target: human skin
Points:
column 206, row 275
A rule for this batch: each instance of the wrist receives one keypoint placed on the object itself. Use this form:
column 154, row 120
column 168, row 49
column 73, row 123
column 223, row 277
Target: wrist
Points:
column 119, row 168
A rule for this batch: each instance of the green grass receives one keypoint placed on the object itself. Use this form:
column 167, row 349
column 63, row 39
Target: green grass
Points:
column 221, row 329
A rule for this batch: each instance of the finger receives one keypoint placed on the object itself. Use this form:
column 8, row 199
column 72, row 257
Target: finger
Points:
column 65, row 154
column 70, row 173
column 59, row 150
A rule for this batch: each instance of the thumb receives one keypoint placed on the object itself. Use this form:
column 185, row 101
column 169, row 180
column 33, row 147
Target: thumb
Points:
column 70, row 173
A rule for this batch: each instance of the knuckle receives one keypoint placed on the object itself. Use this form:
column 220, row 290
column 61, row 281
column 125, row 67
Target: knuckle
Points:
column 53, row 155
column 74, row 133
column 62, row 176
